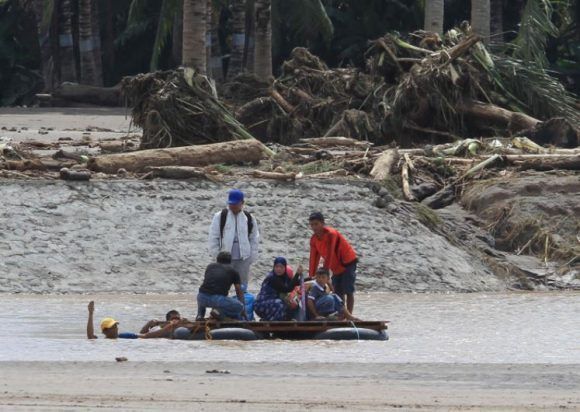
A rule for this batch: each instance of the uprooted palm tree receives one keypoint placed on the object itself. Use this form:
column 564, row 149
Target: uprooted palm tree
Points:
column 263, row 48
column 434, row 13
column 89, row 39
column 480, row 18
column 194, row 32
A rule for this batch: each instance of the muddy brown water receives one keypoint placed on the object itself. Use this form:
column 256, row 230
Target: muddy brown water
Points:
column 533, row 328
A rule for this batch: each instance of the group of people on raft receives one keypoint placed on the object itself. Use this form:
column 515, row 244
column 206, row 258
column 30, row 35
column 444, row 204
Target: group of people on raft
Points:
column 234, row 239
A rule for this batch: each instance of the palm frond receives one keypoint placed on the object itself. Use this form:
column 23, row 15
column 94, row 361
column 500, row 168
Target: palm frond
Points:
column 137, row 11
column 169, row 9
column 307, row 19
column 527, row 87
column 48, row 7
column 132, row 31
column 542, row 95
column 536, row 27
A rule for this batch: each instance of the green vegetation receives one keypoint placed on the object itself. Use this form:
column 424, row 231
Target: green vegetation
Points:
column 427, row 216
column 320, row 166
column 393, row 184
column 137, row 36
column 223, row 169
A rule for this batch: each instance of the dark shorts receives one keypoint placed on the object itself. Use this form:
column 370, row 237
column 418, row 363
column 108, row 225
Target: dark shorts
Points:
column 343, row 283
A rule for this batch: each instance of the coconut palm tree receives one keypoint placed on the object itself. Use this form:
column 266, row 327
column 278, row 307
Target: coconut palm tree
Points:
column 239, row 39
column 480, row 18
column 89, row 44
column 194, row 32
column 44, row 12
column 434, row 13
column 496, row 20
column 68, row 70
column 263, row 48
column 210, row 35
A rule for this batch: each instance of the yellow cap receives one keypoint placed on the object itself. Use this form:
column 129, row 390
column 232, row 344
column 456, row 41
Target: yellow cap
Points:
column 108, row 323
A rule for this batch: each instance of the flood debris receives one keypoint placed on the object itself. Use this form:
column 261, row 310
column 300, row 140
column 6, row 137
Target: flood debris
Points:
column 76, row 175
column 179, row 108
column 234, row 152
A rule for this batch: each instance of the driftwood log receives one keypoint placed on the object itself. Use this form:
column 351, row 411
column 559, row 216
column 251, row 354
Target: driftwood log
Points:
column 80, row 93
column 545, row 162
column 76, row 175
column 335, row 141
column 179, row 172
column 491, row 115
column 406, row 179
column 235, row 152
column 330, row 174
column 285, row 177
column 385, row 164
column 116, row 146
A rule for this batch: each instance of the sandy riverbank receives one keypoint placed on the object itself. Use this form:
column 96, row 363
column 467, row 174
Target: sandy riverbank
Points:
column 268, row 386
column 136, row 236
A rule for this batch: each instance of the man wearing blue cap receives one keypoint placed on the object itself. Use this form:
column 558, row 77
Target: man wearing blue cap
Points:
column 236, row 231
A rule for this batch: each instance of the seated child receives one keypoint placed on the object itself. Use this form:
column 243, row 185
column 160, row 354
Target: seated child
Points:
column 322, row 303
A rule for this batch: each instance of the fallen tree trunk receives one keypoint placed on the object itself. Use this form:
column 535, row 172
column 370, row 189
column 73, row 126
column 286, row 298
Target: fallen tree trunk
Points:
column 114, row 146
column 385, row 164
column 548, row 162
column 179, row 172
column 405, row 178
column 491, row 115
column 235, row 152
column 330, row 174
column 285, row 177
column 335, row 142
column 101, row 96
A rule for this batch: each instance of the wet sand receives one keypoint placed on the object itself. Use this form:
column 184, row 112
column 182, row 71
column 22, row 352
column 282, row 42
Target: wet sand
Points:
column 136, row 236
column 269, row 386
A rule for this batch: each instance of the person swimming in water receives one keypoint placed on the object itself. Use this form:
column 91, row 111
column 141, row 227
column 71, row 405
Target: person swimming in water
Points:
column 110, row 328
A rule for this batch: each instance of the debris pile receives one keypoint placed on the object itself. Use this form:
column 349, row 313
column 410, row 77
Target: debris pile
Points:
column 414, row 90
column 311, row 100
column 455, row 87
column 179, row 108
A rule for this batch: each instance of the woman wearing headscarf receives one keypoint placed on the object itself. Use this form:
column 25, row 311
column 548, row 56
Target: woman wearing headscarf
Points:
column 271, row 303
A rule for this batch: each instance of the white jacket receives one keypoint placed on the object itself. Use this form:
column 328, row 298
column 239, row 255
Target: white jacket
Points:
column 249, row 246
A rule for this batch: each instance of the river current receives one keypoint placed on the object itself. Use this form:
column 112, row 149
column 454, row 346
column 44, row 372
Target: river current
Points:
column 450, row 328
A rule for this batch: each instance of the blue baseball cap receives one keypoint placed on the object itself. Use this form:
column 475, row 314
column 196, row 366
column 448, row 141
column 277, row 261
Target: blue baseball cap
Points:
column 235, row 197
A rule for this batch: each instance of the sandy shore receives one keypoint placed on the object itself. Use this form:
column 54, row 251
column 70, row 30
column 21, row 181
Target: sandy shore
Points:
column 268, row 386
column 135, row 236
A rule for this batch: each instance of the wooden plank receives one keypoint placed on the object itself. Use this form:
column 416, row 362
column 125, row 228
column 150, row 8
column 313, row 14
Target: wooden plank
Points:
column 287, row 326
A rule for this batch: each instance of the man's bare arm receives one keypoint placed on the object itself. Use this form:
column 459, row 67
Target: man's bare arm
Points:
column 165, row 332
column 241, row 298
column 149, row 325
column 312, row 308
column 90, row 328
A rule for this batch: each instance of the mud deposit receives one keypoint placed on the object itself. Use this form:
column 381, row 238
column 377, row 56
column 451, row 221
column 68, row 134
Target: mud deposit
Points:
column 138, row 236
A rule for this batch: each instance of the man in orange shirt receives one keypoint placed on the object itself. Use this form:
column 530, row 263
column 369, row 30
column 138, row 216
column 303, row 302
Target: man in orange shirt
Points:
column 339, row 256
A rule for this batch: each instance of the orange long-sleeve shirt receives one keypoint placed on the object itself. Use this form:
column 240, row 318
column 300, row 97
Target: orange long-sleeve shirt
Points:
column 335, row 250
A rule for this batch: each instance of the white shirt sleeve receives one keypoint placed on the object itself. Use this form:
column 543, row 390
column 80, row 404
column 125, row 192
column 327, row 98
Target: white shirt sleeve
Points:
column 214, row 238
column 255, row 241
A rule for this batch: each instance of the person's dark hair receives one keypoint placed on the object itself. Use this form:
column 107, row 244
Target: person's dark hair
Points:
column 224, row 257
column 171, row 314
column 316, row 216
column 322, row 271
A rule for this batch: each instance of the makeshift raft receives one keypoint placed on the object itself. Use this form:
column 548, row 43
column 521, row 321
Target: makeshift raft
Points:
column 292, row 330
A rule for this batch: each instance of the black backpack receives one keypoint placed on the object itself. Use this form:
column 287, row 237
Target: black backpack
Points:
column 224, row 216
